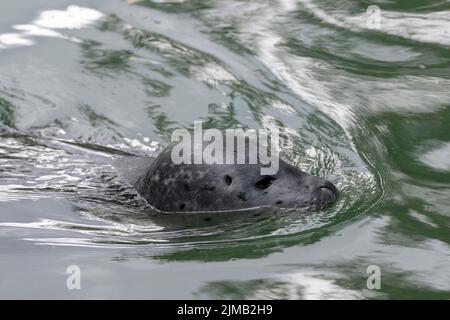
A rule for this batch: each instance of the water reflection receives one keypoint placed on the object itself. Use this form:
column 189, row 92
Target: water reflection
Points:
column 368, row 110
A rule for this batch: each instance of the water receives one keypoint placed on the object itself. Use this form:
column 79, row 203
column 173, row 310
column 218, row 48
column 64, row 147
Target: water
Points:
column 84, row 83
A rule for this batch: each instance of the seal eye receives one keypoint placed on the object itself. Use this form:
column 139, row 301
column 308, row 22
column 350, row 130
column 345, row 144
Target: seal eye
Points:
column 265, row 182
column 228, row 179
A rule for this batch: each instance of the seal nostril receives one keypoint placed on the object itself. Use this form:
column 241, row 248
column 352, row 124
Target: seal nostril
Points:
column 328, row 190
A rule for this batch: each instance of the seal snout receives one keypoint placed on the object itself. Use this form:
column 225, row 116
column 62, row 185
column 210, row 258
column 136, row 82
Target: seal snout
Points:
column 322, row 190
column 202, row 187
column 327, row 191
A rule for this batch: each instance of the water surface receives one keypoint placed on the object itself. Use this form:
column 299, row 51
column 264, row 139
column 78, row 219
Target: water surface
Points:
column 83, row 83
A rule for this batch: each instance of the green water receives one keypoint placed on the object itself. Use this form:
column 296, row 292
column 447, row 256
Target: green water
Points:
column 85, row 82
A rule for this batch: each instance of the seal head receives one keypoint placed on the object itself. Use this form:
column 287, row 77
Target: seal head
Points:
column 220, row 187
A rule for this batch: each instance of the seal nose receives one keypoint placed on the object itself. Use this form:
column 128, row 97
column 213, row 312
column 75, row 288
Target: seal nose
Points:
column 321, row 188
column 327, row 190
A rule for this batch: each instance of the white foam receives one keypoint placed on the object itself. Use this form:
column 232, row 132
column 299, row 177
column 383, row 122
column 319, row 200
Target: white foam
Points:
column 14, row 40
column 33, row 30
column 74, row 17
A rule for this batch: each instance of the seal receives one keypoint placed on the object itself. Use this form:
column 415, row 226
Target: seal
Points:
column 182, row 187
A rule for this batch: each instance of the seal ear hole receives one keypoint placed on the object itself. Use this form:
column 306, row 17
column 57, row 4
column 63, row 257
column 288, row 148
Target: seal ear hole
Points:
column 182, row 206
column 228, row 179
column 264, row 182
column 279, row 202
